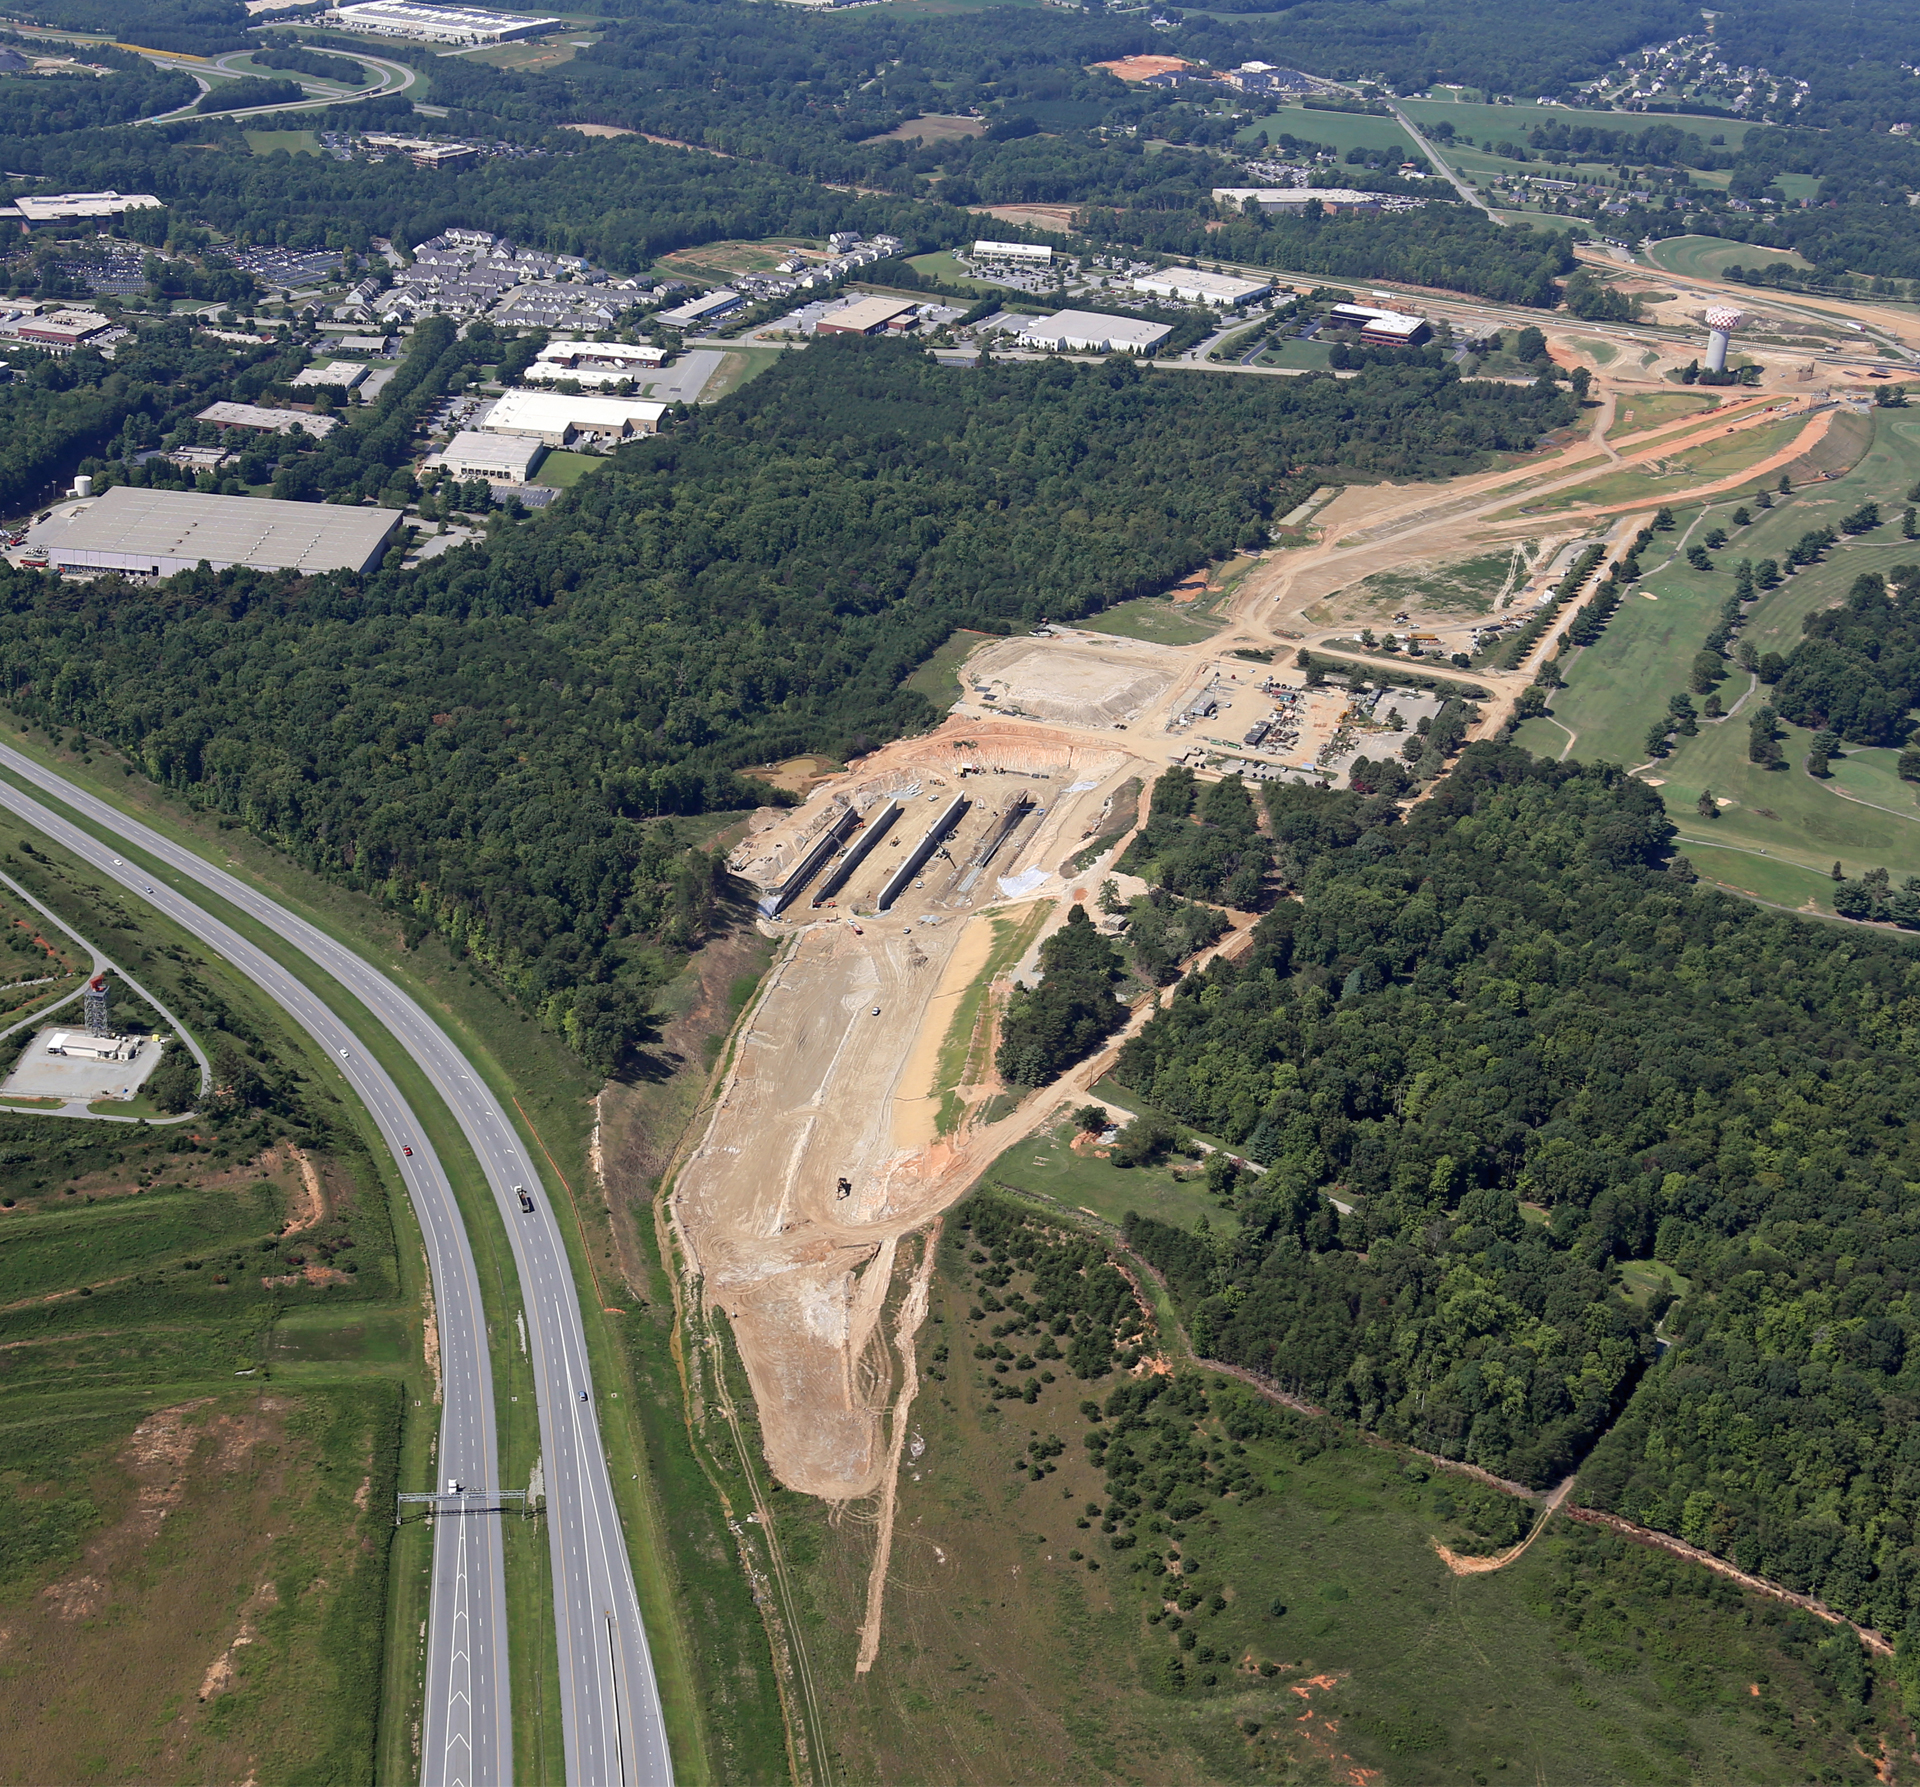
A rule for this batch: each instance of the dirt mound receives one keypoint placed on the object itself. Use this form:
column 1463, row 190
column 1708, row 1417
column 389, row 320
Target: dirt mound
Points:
column 1838, row 449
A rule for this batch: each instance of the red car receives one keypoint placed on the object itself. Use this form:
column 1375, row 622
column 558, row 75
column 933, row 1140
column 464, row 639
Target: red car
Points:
column 408, row 1152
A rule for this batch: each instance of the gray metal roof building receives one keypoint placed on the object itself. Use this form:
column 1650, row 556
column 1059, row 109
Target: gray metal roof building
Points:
column 153, row 533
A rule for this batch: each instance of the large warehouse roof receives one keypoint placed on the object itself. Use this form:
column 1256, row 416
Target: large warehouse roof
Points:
column 157, row 532
column 1090, row 332
column 557, row 418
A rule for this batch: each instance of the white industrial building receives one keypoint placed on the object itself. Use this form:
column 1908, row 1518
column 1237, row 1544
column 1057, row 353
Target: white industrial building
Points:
column 707, row 308
column 1384, row 328
column 562, row 421
column 1331, row 199
column 499, row 458
column 1013, row 254
column 1224, row 291
column 1088, row 332
column 59, row 207
column 86, row 1046
column 624, row 357
column 262, row 420
column 435, row 24
column 154, row 533
column 336, row 375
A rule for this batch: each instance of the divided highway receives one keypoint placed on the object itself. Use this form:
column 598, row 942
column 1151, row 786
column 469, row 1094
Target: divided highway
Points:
column 610, row 1705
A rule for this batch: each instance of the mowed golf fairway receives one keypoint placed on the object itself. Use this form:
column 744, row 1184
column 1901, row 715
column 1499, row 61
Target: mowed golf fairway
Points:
column 1781, row 830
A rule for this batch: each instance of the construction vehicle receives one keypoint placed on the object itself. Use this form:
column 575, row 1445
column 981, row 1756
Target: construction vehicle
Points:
column 844, row 1189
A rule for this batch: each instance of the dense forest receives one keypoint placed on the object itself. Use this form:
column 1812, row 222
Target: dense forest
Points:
column 1526, row 1048
column 54, row 410
column 1072, row 1010
column 189, row 27
column 489, row 741
column 34, row 106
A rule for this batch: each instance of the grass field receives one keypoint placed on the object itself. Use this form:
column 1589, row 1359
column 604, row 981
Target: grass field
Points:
column 1708, row 257
column 1046, row 1163
column 942, row 265
column 561, row 470
column 1639, row 411
column 199, row 1570
column 939, row 677
column 1657, row 480
column 1337, row 130
column 1156, row 619
column 1298, row 356
column 295, row 142
column 737, row 366
column 1318, row 1637
column 1510, row 123
column 1467, row 586
column 534, row 55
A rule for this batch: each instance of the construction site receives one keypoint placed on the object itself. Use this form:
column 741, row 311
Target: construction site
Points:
column 910, row 892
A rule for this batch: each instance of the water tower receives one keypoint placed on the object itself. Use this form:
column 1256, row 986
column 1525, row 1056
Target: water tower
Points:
column 94, row 1003
column 1721, row 323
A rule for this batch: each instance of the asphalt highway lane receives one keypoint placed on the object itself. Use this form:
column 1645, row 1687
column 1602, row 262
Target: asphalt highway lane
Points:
column 612, row 1724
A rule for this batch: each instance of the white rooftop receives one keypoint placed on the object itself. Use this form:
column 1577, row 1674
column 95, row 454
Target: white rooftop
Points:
column 138, row 530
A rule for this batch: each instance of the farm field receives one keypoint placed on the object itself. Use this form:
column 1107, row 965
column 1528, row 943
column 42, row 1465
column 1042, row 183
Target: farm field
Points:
column 201, row 1561
column 1708, row 257
column 1312, row 1634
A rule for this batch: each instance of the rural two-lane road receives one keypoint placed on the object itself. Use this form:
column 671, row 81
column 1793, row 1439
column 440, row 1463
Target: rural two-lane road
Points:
column 611, row 1717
